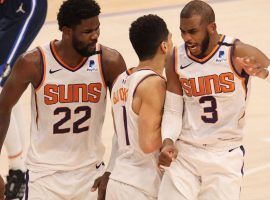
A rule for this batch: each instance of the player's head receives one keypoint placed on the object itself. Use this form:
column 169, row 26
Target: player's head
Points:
column 79, row 22
column 148, row 34
column 197, row 25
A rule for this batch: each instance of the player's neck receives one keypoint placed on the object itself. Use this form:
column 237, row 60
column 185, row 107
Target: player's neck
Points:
column 67, row 53
column 155, row 64
column 212, row 43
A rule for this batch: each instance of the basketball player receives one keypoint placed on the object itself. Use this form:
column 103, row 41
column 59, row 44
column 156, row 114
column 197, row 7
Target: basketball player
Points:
column 20, row 22
column 137, row 100
column 69, row 80
column 206, row 98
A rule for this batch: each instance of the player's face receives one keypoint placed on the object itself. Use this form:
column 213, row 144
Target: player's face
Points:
column 195, row 35
column 85, row 36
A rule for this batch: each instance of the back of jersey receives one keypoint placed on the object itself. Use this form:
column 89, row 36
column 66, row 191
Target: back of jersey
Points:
column 132, row 165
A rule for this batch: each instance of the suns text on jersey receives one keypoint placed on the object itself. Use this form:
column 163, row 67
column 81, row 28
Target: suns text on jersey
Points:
column 70, row 93
column 206, row 85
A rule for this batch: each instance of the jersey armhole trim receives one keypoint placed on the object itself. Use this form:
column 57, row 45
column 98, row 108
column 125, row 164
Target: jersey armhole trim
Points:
column 42, row 68
column 145, row 77
column 244, row 77
column 101, row 66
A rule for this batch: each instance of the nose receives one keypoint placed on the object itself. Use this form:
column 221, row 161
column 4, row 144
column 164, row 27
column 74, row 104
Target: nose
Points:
column 95, row 35
column 186, row 37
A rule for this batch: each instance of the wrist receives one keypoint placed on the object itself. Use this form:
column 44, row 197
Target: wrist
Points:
column 107, row 174
column 167, row 141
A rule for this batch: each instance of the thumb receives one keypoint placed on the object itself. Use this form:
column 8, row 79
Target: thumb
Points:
column 95, row 185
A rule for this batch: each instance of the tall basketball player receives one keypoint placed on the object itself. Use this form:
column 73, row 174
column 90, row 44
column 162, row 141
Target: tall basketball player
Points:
column 69, row 79
column 207, row 93
column 137, row 100
column 20, row 22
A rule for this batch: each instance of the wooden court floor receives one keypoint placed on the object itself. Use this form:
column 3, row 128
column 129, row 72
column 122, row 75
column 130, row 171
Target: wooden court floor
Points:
column 247, row 20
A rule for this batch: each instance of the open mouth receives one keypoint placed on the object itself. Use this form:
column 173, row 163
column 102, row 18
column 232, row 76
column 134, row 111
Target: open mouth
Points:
column 193, row 48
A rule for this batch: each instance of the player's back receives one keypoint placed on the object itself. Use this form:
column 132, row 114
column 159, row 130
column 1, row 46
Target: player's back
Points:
column 132, row 165
column 68, row 110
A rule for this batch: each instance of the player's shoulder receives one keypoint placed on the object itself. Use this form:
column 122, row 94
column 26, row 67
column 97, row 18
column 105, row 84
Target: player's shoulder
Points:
column 28, row 65
column 110, row 55
column 240, row 48
column 151, row 83
column 113, row 64
column 30, row 57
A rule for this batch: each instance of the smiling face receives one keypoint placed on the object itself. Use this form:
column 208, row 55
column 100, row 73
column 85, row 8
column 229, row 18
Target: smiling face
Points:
column 85, row 36
column 195, row 33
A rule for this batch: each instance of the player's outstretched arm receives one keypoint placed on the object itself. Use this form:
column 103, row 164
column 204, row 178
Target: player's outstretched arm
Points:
column 25, row 71
column 151, row 93
column 250, row 59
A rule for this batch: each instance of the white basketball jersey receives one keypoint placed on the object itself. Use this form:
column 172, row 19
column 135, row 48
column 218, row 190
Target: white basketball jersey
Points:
column 68, row 110
column 132, row 165
column 215, row 96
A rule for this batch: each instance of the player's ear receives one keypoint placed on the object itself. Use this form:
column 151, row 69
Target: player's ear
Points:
column 67, row 32
column 164, row 46
column 212, row 27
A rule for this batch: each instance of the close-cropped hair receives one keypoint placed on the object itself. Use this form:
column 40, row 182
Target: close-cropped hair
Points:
column 146, row 34
column 198, row 7
column 72, row 12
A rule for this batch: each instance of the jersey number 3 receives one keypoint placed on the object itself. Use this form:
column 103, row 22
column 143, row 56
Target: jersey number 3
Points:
column 67, row 116
column 211, row 109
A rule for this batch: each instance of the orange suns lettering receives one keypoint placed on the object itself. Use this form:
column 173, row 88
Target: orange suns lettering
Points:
column 206, row 85
column 72, row 93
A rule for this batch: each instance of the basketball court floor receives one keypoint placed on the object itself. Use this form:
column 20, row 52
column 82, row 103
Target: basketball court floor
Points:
column 248, row 20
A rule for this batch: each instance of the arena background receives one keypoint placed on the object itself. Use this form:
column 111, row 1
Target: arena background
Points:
column 248, row 20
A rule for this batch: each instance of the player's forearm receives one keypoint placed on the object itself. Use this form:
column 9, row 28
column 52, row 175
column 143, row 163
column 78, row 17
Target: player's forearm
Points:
column 172, row 117
column 151, row 141
column 113, row 154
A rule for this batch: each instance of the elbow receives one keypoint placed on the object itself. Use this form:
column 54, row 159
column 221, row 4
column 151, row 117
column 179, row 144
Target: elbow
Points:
column 148, row 148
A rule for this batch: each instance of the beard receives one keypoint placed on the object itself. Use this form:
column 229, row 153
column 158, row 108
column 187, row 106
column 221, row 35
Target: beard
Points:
column 83, row 49
column 204, row 45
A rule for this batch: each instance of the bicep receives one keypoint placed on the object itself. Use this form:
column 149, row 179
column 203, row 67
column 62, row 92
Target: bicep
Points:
column 244, row 50
column 151, row 110
column 16, row 84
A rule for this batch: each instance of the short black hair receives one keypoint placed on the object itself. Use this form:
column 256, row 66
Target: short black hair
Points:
column 197, row 7
column 146, row 34
column 72, row 12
